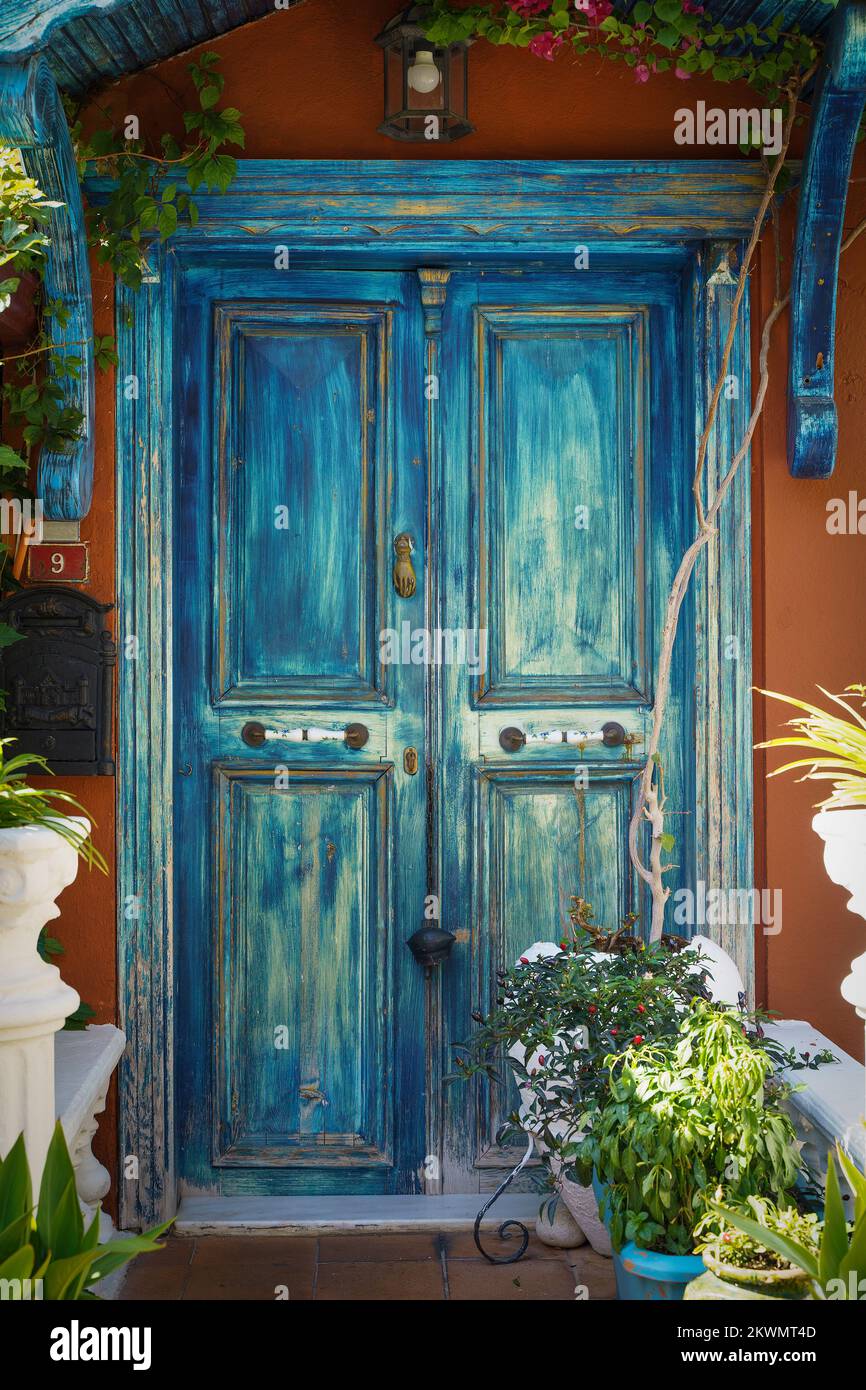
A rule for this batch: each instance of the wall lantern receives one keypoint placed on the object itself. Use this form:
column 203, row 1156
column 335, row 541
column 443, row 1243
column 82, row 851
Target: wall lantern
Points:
column 426, row 88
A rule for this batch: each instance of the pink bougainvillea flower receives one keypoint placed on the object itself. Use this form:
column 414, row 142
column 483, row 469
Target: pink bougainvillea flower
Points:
column 689, row 7
column 597, row 10
column 682, row 74
column 641, row 73
column 527, row 8
column 545, row 45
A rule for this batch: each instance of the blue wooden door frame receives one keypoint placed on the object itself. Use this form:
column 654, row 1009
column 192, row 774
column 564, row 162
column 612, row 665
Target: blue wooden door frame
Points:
column 686, row 217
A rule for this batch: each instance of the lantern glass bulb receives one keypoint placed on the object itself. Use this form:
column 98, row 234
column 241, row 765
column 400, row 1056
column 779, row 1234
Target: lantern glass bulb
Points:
column 424, row 76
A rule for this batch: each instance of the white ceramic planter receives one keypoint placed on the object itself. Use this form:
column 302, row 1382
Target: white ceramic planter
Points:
column 844, row 836
column 36, row 864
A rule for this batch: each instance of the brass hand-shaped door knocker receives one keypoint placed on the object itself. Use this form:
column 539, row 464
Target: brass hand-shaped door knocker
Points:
column 404, row 572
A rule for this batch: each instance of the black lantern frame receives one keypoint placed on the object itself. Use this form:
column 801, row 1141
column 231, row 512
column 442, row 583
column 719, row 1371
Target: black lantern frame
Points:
column 408, row 113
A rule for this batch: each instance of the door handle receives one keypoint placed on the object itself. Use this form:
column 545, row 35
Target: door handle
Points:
column 353, row 735
column 611, row 735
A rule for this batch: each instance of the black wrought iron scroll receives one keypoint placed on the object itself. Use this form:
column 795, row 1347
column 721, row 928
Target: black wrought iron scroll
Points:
column 507, row 1226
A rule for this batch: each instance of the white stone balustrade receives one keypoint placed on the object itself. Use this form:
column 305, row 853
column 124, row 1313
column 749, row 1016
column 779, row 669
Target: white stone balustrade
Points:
column 844, row 836
column 46, row 1073
column 36, row 864
column 84, row 1062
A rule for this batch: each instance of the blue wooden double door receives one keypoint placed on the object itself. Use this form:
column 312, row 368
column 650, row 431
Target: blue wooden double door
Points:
column 415, row 508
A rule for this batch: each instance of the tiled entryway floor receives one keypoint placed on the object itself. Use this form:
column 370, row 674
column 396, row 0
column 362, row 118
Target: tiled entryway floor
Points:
column 425, row 1267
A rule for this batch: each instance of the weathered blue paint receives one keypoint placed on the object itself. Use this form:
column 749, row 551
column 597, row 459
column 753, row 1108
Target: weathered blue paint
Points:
column 90, row 42
column 723, row 601
column 579, row 397
column 293, row 476
column 32, row 118
column 146, row 772
column 507, row 847
column 836, row 111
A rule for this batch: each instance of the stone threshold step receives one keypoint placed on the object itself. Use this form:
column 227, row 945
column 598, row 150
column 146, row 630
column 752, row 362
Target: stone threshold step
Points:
column 209, row 1216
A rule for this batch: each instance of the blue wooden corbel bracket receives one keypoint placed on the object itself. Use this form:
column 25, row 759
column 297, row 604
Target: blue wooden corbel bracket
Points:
column 837, row 106
column 32, row 118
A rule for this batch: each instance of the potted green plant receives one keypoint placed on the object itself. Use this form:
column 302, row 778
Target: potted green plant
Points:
column 837, row 1269
column 46, row 1253
column 41, row 846
column 560, row 1012
column 836, row 753
column 683, row 1116
column 743, row 1266
column 27, row 812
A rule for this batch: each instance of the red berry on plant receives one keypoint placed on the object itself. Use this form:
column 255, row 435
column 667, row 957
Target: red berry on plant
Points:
column 637, row 1039
column 641, row 1008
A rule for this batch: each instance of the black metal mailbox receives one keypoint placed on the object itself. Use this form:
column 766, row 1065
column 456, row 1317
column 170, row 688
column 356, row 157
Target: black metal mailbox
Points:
column 59, row 680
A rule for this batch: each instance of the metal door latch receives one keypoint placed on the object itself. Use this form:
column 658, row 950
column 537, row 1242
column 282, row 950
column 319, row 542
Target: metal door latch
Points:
column 611, row 735
column 353, row 735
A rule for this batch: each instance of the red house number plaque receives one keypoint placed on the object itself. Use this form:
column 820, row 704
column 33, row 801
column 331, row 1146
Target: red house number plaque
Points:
column 64, row 562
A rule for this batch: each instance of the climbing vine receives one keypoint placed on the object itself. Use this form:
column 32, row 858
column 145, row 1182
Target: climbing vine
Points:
column 145, row 201
column 144, row 204
column 669, row 35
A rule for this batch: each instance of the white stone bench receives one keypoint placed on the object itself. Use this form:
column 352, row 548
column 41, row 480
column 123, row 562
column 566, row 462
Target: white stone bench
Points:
column 830, row 1105
column 83, row 1063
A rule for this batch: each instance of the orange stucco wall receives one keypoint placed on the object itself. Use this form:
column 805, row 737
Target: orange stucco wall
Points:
column 308, row 82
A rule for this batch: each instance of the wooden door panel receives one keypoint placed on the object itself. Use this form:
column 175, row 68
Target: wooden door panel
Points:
column 303, row 865
column 303, row 955
column 574, row 399
column 560, row 484
column 543, row 840
column 303, row 500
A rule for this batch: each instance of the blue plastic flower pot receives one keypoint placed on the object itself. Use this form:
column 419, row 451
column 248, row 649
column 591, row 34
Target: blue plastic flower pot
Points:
column 644, row 1274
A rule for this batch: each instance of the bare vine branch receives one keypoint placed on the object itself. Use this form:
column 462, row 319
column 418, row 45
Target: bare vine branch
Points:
column 650, row 803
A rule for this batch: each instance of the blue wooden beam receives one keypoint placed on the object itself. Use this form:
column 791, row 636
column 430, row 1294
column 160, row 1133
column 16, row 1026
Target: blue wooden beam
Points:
column 25, row 24
column 837, row 107
column 32, row 118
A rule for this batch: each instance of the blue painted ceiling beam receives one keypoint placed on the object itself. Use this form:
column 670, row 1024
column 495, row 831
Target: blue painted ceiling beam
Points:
column 25, row 25
column 91, row 42
column 837, row 107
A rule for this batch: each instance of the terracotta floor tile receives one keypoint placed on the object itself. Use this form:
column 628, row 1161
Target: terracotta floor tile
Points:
column 161, row 1275
column 459, row 1245
column 214, row 1252
column 593, row 1271
column 386, row 1248
column 390, row 1267
column 537, row 1281
column 418, row 1280
column 248, row 1284
column 175, row 1251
